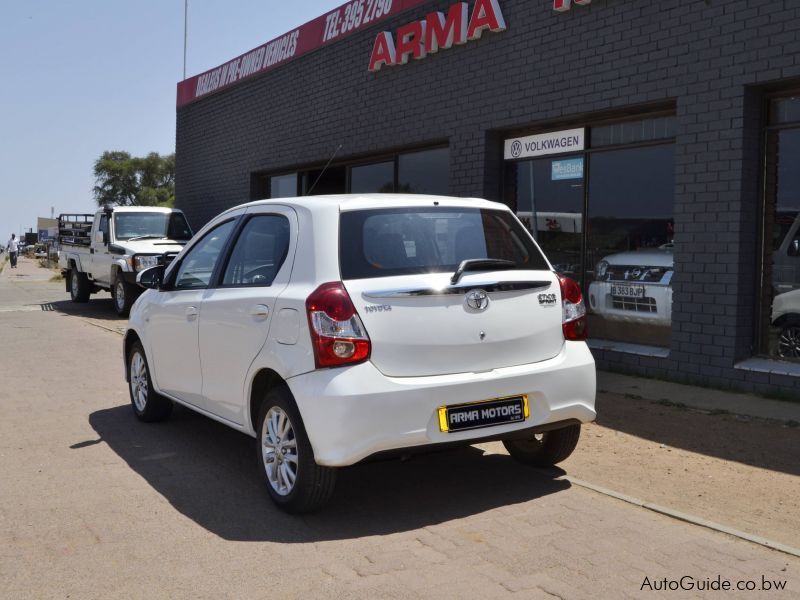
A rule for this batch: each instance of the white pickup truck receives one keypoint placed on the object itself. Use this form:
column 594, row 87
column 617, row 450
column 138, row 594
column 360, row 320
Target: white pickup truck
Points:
column 106, row 250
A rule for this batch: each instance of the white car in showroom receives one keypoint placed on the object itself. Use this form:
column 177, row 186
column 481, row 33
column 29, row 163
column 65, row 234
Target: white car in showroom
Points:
column 336, row 328
column 786, row 317
column 634, row 286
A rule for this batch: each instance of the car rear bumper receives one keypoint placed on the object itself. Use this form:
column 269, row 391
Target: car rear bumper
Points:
column 352, row 413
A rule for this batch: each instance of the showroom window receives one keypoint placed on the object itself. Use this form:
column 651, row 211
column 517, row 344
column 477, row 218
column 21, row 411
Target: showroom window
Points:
column 417, row 172
column 604, row 216
column 424, row 172
column 375, row 177
column 779, row 331
column 283, row 186
column 421, row 172
column 556, row 206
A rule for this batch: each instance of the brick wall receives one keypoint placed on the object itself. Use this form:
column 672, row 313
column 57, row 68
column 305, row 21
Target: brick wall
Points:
column 710, row 60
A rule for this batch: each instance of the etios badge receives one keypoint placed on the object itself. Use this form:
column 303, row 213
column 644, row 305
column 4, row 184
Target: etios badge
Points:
column 477, row 300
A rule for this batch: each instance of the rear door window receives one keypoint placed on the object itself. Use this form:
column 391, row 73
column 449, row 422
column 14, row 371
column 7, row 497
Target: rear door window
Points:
column 259, row 252
column 403, row 241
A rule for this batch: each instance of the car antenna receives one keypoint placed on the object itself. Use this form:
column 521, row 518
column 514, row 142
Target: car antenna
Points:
column 325, row 168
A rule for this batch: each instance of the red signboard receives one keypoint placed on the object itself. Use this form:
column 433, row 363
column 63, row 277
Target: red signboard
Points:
column 327, row 29
column 436, row 31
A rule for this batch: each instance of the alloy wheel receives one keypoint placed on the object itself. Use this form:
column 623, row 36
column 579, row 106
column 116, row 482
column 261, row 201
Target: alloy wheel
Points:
column 789, row 342
column 139, row 381
column 119, row 295
column 279, row 451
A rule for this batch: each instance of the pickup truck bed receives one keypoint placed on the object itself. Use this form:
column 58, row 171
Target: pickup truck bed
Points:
column 75, row 230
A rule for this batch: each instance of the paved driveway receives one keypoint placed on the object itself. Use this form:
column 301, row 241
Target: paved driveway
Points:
column 94, row 504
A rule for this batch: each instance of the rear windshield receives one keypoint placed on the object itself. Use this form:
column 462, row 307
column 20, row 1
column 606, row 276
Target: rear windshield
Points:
column 404, row 241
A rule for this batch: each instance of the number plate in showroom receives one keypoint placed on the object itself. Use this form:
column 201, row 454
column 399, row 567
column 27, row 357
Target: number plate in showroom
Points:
column 628, row 291
column 474, row 415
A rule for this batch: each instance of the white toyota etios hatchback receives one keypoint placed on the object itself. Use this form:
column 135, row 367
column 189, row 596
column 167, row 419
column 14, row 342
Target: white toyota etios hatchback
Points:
column 336, row 328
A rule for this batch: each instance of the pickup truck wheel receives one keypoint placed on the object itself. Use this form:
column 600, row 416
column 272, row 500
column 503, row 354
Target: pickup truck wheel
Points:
column 295, row 482
column 124, row 296
column 545, row 449
column 148, row 406
column 79, row 286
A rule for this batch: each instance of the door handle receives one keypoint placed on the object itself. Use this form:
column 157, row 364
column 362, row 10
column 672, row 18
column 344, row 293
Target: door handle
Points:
column 191, row 312
column 260, row 311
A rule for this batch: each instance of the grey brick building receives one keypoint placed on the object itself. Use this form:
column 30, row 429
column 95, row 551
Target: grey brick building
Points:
column 678, row 210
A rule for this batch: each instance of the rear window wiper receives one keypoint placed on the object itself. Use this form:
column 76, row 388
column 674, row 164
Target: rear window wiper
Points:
column 481, row 264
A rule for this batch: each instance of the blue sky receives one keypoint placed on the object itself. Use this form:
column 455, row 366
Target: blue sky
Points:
column 85, row 76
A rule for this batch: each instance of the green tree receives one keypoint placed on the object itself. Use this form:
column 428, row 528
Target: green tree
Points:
column 125, row 180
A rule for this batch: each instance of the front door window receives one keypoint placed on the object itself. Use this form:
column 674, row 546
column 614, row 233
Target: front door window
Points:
column 197, row 267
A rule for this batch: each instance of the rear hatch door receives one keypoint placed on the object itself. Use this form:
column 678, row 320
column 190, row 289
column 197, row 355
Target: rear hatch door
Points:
column 398, row 267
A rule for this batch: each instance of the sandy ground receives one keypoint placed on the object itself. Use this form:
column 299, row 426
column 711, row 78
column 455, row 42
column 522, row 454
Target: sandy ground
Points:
column 739, row 471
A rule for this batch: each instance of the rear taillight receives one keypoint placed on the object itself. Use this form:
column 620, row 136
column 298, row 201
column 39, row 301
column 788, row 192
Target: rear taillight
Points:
column 337, row 333
column 573, row 310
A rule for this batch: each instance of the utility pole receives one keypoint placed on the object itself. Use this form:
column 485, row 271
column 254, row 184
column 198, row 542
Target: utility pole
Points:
column 185, row 32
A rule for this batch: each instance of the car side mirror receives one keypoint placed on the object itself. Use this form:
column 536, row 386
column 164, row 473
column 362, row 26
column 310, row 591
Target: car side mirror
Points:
column 151, row 278
column 794, row 248
column 99, row 237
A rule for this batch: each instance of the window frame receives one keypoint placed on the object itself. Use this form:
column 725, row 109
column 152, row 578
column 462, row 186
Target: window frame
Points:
column 347, row 164
column 105, row 230
column 762, row 315
column 218, row 277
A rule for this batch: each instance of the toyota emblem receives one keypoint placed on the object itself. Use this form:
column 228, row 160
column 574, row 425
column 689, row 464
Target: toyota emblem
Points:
column 477, row 300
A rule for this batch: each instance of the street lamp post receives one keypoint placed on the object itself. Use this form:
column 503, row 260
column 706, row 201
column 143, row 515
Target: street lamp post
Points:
column 185, row 32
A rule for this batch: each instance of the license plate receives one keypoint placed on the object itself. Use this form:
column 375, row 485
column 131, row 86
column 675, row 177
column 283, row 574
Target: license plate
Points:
column 627, row 291
column 474, row 415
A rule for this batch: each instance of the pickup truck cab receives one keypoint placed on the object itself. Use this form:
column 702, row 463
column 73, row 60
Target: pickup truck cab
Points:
column 106, row 250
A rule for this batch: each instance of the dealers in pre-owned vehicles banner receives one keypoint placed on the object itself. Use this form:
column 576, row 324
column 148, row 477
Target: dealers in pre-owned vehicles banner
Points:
column 330, row 27
column 417, row 39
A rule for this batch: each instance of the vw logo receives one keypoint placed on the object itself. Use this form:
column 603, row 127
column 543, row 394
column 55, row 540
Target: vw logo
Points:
column 516, row 148
column 477, row 300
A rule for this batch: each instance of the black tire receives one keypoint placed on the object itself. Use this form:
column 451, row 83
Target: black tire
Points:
column 313, row 484
column 149, row 407
column 545, row 449
column 79, row 286
column 124, row 295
